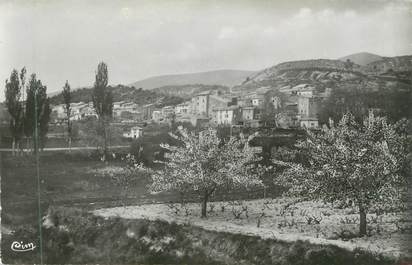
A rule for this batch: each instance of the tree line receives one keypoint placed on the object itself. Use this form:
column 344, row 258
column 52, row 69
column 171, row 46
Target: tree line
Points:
column 123, row 93
column 28, row 103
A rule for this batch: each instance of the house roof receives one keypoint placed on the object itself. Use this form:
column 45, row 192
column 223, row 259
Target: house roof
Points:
column 168, row 107
column 76, row 104
column 300, row 86
column 258, row 96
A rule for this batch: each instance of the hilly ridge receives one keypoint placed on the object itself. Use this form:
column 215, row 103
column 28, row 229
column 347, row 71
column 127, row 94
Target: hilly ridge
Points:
column 388, row 72
column 319, row 72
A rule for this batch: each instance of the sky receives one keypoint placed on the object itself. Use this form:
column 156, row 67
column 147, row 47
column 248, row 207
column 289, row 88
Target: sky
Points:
column 66, row 39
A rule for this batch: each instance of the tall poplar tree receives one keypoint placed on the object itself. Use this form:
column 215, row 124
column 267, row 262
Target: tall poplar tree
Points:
column 102, row 102
column 14, row 105
column 36, row 90
column 67, row 97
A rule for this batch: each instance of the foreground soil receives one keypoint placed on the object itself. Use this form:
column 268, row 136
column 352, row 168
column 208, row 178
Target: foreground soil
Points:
column 78, row 237
column 281, row 219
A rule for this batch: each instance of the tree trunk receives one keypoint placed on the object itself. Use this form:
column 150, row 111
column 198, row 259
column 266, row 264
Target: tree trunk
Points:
column 266, row 153
column 19, row 148
column 105, row 138
column 69, row 133
column 362, row 223
column 13, row 146
column 105, row 141
column 204, row 204
column 27, row 144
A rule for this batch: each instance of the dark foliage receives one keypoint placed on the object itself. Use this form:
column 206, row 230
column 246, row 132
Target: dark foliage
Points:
column 67, row 98
column 147, row 148
column 102, row 97
column 393, row 103
column 123, row 93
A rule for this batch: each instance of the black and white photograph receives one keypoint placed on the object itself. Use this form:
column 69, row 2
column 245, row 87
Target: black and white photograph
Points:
column 206, row 132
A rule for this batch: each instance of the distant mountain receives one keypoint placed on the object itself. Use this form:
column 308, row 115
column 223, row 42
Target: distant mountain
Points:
column 362, row 58
column 53, row 93
column 219, row 77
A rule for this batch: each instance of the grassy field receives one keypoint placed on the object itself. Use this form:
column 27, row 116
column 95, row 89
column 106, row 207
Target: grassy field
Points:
column 73, row 179
column 66, row 179
column 76, row 179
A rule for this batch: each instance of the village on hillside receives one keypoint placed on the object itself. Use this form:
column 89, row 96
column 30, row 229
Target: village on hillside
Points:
column 286, row 107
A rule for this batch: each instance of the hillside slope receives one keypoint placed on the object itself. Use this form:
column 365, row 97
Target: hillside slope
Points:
column 220, row 77
column 319, row 71
column 387, row 73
